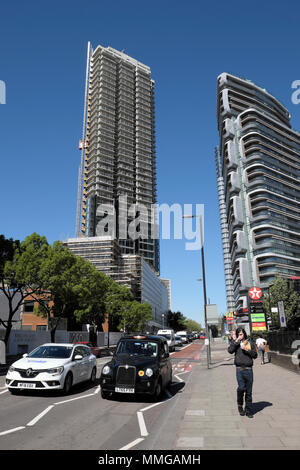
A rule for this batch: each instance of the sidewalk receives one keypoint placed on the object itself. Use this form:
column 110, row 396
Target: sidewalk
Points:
column 211, row 419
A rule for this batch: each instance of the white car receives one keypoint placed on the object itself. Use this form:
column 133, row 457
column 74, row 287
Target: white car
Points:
column 52, row 366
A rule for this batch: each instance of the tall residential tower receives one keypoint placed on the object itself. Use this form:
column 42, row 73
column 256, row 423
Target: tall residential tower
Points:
column 258, row 167
column 118, row 164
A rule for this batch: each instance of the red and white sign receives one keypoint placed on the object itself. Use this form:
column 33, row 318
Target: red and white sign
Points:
column 255, row 293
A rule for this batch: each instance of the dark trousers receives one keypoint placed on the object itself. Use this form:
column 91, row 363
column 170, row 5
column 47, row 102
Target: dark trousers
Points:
column 245, row 383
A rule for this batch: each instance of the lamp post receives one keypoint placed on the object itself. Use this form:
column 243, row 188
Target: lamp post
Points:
column 204, row 283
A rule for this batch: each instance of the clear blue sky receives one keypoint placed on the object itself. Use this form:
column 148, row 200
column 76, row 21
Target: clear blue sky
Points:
column 187, row 45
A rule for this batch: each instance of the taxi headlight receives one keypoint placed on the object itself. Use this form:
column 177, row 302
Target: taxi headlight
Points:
column 106, row 370
column 56, row 371
column 149, row 372
column 11, row 369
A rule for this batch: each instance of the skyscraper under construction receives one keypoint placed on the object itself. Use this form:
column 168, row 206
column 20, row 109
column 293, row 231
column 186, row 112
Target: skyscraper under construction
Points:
column 118, row 159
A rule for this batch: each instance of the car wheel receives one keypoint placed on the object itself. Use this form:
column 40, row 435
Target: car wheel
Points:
column 14, row 391
column 93, row 375
column 105, row 394
column 158, row 390
column 68, row 384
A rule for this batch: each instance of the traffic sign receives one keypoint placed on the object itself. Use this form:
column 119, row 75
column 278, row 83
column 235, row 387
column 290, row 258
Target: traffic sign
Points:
column 255, row 293
column 256, row 307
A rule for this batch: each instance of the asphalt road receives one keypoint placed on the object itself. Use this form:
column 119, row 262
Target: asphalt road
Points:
column 84, row 421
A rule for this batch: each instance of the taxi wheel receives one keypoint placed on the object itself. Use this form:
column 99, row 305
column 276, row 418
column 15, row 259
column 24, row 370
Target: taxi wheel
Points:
column 68, row 384
column 105, row 394
column 14, row 391
column 158, row 390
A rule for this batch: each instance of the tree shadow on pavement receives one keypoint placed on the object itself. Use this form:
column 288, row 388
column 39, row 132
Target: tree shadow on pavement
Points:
column 260, row 405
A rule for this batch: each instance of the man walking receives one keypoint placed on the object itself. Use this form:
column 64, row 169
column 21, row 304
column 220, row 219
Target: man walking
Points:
column 261, row 346
column 245, row 352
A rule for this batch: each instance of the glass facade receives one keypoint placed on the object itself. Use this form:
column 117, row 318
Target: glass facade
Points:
column 260, row 160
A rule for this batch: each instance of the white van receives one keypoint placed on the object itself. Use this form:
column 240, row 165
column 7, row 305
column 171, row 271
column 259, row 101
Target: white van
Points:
column 170, row 337
column 183, row 335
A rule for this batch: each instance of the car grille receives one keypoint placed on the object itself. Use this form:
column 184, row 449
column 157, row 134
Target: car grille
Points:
column 126, row 375
column 34, row 373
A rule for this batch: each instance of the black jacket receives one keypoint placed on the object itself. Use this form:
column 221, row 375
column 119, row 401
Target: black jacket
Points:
column 242, row 358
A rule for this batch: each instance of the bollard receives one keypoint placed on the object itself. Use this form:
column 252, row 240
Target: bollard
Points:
column 2, row 352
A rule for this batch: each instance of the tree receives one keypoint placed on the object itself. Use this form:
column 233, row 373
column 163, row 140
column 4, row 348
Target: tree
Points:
column 280, row 291
column 19, row 273
column 135, row 316
column 64, row 280
column 192, row 325
column 91, row 294
column 176, row 321
column 116, row 303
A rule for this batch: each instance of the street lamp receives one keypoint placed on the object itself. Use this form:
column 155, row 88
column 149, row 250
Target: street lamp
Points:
column 204, row 282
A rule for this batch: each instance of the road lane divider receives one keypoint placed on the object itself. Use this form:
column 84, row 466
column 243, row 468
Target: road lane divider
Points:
column 38, row 417
column 142, row 424
column 132, row 444
column 11, row 430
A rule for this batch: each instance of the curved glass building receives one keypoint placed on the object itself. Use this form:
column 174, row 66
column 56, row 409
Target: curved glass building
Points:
column 258, row 163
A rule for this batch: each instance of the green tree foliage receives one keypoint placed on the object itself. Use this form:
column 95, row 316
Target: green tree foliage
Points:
column 135, row 316
column 192, row 325
column 19, row 273
column 176, row 321
column 281, row 291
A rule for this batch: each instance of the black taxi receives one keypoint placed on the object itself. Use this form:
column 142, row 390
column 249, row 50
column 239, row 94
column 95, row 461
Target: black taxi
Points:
column 140, row 364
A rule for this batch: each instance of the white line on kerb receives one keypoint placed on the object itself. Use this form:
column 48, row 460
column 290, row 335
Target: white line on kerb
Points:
column 132, row 444
column 37, row 418
column 143, row 429
column 11, row 430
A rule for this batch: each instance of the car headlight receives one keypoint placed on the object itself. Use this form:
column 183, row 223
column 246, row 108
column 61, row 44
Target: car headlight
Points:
column 106, row 370
column 11, row 369
column 56, row 371
column 149, row 372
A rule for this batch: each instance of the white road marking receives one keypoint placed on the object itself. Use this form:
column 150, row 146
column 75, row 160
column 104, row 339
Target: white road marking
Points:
column 73, row 399
column 37, row 418
column 142, row 425
column 151, row 406
column 97, row 390
column 1, row 393
column 132, row 444
column 11, row 430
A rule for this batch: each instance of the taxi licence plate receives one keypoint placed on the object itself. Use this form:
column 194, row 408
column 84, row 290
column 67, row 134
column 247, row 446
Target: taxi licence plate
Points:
column 124, row 390
column 26, row 385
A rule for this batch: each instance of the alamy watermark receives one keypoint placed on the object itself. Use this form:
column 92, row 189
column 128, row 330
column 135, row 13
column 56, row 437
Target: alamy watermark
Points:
column 296, row 94
column 2, row 92
column 151, row 222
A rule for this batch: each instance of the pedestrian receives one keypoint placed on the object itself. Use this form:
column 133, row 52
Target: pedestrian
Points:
column 261, row 347
column 245, row 352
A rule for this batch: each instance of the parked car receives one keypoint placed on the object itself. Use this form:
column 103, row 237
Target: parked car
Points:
column 140, row 364
column 190, row 337
column 51, row 367
column 96, row 350
column 170, row 337
column 183, row 335
column 178, row 341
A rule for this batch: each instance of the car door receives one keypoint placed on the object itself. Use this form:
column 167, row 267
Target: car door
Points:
column 164, row 363
column 88, row 362
column 77, row 366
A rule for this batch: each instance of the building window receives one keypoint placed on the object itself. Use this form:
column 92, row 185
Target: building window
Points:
column 28, row 307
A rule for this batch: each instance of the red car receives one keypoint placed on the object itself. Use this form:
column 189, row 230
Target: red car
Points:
column 96, row 350
column 202, row 336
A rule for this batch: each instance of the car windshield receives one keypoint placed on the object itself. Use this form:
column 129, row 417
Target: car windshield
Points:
column 52, row 352
column 138, row 348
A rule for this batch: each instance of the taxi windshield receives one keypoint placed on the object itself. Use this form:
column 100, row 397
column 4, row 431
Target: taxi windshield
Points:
column 138, row 348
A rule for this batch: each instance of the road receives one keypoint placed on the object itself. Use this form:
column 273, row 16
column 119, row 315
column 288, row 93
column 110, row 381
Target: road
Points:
column 83, row 420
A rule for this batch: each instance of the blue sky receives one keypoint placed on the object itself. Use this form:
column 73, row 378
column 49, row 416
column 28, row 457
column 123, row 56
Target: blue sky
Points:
column 187, row 45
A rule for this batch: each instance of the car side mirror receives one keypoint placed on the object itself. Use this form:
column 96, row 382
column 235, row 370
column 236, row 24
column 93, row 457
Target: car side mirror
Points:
column 25, row 355
column 111, row 353
column 78, row 357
